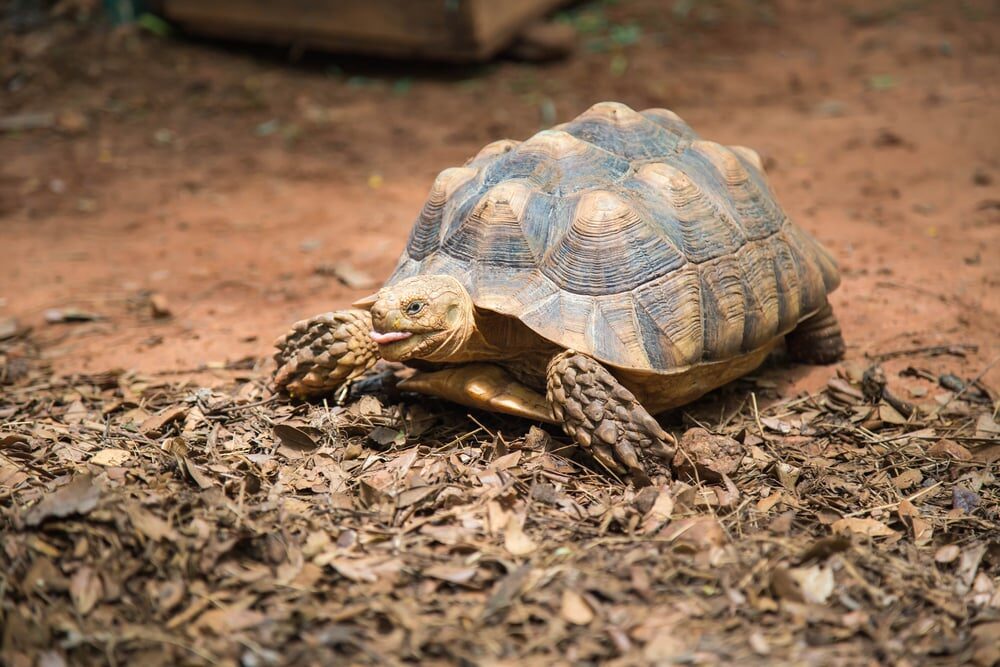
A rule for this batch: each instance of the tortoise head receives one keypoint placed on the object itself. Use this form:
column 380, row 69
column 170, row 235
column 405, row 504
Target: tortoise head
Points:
column 423, row 317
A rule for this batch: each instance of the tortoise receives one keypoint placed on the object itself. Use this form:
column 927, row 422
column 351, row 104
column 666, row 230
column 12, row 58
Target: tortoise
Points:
column 601, row 272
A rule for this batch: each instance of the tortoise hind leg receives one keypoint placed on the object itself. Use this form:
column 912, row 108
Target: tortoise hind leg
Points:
column 324, row 353
column 817, row 340
column 604, row 417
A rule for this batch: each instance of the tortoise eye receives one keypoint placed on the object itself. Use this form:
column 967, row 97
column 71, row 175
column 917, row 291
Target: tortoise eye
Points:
column 414, row 307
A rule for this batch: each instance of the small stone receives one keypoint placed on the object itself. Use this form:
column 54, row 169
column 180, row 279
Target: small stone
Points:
column 159, row 308
column 982, row 177
column 965, row 500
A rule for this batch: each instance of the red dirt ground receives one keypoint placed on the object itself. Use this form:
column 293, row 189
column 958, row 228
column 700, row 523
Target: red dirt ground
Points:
column 220, row 178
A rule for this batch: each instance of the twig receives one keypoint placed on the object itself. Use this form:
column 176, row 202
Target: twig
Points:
column 931, row 350
column 976, row 379
column 756, row 414
column 889, row 506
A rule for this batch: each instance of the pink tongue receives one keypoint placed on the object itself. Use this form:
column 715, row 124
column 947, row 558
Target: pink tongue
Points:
column 390, row 337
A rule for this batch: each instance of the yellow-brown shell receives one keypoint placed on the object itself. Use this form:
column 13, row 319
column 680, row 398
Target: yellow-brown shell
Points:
column 623, row 235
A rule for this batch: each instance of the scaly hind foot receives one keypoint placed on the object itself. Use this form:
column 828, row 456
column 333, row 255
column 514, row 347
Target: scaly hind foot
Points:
column 817, row 340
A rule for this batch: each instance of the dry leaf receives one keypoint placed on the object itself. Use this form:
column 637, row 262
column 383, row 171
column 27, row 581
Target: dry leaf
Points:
column 227, row 620
column 812, row 585
column 860, row 526
column 659, row 513
column 79, row 496
column 449, row 573
column 85, row 589
column 157, row 423
column 695, row 533
column 949, row 449
column 515, row 540
column 947, row 554
column 151, row 525
column 575, row 609
column 908, row 478
column 110, row 457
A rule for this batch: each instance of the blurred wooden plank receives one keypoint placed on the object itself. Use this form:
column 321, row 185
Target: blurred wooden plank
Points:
column 460, row 30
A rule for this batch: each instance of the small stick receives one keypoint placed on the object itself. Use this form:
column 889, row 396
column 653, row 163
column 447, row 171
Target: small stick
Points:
column 975, row 380
column 927, row 349
column 888, row 506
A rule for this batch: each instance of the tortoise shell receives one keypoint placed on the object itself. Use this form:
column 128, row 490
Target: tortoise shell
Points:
column 624, row 236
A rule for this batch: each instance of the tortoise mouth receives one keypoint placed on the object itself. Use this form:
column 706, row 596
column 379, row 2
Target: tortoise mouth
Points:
column 389, row 337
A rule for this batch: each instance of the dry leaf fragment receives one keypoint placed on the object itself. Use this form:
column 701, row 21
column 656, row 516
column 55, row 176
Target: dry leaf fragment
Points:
column 451, row 574
column 227, row 620
column 575, row 609
column 355, row 570
column 949, row 448
column 515, row 540
column 695, row 533
column 764, row 505
column 150, row 525
column 155, row 424
column 908, row 478
column 111, row 457
column 387, row 437
column 507, row 590
column 706, row 456
column 986, row 427
column 947, row 554
column 860, row 526
column 79, row 496
column 812, row 585
column 659, row 513
column 986, row 648
column 85, row 589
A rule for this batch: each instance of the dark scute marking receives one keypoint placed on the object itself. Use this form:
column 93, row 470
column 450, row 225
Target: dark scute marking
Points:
column 425, row 235
column 761, row 293
column 405, row 268
column 754, row 209
column 546, row 219
column 723, row 307
column 789, row 291
column 698, row 226
column 812, row 287
column 673, row 302
column 638, row 141
column 516, row 164
column 615, row 332
column 652, row 339
column 609, row 256
column 460, row 206
column 491, row 236
column 672, row 124
column 591, row 170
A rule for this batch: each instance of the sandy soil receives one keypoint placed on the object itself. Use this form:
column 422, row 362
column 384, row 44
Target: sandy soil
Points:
column 221, row 178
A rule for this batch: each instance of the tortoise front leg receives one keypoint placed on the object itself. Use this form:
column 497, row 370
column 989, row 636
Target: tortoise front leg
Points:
column 324, row 353
column 484, row 386
column 604, row 417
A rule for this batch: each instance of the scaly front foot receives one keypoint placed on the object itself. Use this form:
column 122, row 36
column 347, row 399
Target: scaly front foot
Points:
column 604, row 417
column 325, row 352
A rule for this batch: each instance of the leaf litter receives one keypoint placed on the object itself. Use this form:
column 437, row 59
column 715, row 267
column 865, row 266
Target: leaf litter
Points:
column 149, row 521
